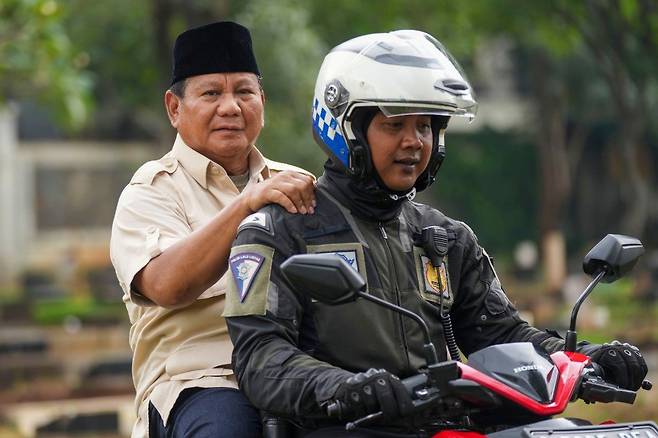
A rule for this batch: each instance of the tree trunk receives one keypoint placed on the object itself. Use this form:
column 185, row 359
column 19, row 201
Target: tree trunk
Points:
column 554, row 172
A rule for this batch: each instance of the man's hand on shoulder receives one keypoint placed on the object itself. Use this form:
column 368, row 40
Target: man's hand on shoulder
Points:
column 293, row 191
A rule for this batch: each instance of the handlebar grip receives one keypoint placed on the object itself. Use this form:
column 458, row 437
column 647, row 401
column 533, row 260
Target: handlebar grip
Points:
column 598, row 370
column 413, row 382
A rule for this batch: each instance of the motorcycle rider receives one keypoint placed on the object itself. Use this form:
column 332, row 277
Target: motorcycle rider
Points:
column 381, row 107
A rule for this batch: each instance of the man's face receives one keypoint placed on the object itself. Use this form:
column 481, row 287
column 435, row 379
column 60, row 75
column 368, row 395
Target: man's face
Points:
column 220, row 115
column 400, row 148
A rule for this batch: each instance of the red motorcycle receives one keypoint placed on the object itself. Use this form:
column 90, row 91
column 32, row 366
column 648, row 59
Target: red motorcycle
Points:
column 504, row 391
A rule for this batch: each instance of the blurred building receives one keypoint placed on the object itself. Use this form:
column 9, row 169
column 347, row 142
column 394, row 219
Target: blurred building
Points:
column 57, row 200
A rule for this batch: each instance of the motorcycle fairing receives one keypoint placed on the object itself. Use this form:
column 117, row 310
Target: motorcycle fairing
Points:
column 522, row 366
column 570, row 366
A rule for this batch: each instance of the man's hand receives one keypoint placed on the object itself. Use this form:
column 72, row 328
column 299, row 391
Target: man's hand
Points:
column 372, row 391
column 293, row 191
column 623, row 363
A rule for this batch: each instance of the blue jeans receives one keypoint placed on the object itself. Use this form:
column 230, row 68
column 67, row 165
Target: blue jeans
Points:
column 206, row 413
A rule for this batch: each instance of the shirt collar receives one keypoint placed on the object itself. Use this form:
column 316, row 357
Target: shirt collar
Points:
column 197, row 164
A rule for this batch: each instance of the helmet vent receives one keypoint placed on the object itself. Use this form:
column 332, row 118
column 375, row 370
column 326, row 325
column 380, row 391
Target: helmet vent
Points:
column 452, row 86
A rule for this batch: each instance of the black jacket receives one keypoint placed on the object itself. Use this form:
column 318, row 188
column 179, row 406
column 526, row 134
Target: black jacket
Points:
column 291, row 352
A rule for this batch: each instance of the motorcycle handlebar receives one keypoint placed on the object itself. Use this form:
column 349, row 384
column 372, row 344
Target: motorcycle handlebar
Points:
column 598, row 370
column 338, row 409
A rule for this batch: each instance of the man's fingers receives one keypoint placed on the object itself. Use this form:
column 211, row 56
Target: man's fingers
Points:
column 298, row 188
column 307, row 190
column 284, row 201
column 293, row 191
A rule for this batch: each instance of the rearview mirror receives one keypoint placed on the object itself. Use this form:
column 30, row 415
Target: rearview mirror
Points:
column 615, row 254
column 325, row 277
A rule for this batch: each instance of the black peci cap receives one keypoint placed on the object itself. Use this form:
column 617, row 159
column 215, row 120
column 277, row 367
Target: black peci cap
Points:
column 223, row 47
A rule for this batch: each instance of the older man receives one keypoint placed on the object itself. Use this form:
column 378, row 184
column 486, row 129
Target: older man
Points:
column 172, row 234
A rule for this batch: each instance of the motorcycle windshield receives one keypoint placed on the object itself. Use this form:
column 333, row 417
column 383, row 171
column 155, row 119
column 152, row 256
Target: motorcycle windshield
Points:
column 522, row 366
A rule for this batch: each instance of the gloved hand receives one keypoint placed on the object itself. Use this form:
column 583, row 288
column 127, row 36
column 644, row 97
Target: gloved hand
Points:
column 623, row 363
column 372, row 391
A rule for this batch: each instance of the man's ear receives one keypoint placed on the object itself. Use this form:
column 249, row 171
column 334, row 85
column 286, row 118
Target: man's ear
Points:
column 262, row 99
column 172, row 104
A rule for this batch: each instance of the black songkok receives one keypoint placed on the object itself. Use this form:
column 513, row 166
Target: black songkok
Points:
column 223, row 47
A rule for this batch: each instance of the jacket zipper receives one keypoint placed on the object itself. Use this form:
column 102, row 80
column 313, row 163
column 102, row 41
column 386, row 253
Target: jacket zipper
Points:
column 398, row 298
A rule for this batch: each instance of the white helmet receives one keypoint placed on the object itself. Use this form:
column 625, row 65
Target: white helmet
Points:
column 402, row 72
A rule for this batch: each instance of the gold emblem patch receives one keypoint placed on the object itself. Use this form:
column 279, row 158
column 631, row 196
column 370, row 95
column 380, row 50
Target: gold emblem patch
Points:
column 437, row 284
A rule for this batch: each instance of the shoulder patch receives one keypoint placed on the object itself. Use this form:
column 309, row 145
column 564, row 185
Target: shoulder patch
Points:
column 259, row 220
column 244, row 268
column 149, row 170
column 250, row 267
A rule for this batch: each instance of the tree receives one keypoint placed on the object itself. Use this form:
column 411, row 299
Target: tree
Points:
column 39, row 60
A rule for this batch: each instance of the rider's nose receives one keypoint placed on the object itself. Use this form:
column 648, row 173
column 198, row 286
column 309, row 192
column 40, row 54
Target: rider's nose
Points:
column 412, row 138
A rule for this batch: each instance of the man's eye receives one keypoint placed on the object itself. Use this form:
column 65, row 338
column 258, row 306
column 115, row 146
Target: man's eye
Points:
column 211, row 93
column 246, row 91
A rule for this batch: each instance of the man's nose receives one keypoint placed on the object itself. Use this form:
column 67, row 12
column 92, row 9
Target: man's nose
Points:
column 228, row 105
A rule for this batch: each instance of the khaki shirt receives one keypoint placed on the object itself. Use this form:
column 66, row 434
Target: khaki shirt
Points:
column 166, row 200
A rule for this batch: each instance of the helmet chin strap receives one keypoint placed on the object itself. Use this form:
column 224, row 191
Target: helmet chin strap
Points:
column 410, row 195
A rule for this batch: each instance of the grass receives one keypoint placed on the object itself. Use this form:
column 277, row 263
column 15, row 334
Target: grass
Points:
column 644, row 408
column 56, row 311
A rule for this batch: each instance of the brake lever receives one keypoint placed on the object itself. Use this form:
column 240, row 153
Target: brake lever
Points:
column 364, row 420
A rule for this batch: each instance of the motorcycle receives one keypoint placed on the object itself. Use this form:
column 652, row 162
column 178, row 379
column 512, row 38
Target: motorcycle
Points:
column 503, row 391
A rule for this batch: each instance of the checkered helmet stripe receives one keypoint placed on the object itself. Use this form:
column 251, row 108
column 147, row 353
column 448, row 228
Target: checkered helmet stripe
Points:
column 326, row 127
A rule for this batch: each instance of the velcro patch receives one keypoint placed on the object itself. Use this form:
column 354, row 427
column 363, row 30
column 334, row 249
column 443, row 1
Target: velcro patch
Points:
column 250, row 267
column 433, row 282
column 436, row 279
column 348, row 256
column 259, row 220
column 244, row 268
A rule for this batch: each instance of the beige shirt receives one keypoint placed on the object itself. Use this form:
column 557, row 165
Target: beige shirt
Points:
column 165, row 201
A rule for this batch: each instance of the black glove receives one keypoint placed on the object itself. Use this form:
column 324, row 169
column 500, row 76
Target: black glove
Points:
column 372, row 391
column 623, row 363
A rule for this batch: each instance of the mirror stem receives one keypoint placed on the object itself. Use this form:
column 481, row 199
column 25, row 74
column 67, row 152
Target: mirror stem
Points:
column 430, row 351
column 571, row 340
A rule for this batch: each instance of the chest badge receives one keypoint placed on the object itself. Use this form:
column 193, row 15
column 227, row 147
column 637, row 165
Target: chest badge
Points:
column 244, row 268
column 349, row 257
column 436, row 279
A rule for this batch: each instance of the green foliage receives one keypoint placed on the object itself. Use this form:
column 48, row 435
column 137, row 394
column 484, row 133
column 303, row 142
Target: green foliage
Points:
column 40, row 61
column 121, row 50
column 56, row 311
column 488, row 181
column 289, row 55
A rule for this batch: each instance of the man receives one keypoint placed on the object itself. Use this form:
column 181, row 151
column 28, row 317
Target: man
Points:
column 173, row 229
column 382, row 104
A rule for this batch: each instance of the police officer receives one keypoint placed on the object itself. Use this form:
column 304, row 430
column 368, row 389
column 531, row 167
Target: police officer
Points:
column 381, row 106
column 172, row 232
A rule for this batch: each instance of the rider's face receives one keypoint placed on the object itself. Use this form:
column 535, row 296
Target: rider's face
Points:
column 401, row 147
